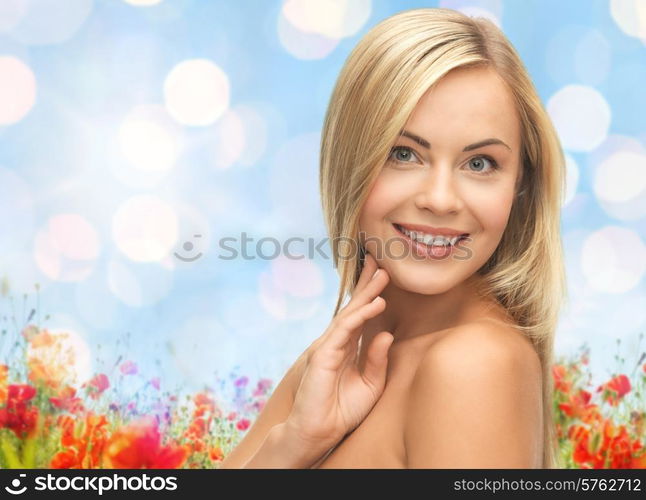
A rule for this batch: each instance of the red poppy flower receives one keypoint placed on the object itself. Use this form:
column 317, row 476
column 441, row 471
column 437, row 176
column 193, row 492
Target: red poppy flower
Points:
column 138, row 446
column 243, row 424
column 263, row 386
column 84, row 445
column 18, row 415
column 97, row 385
column 128, row 368
column 4, row 376
column 559, row 374
column 578, row 405
column 216, row 454
column 605, row 447
column 66, row 400
column 615, row 389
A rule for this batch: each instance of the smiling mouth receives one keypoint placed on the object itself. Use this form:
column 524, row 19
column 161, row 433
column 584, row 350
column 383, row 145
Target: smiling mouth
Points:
column 453, row 241
column 435, row 248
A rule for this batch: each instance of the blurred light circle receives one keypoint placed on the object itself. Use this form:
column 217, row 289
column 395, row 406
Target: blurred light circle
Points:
column 304, row 45
column 11, row 12
column 66, row 249
column 284, row 306
column 571, row 178
column 143, row 3
column 592, row 58
column 255, row 117
column 50, row 21
column 148, row 145
column 196, row 92
column 613, row 259
column 144, row 228
column 139, row 284
column 613, row 144
column 228, row 140
column 589, row 60
column 621, row 177
column 632, row 210
column 17, row 90
column 150, row 141
column 298, row 277
column 492, row 6
column 330, row 18
column 581, row 115
column 292, row 287
column 587, row 310
column 619, row 201
column 74, row 237
column 630, row 16
column 473, row 11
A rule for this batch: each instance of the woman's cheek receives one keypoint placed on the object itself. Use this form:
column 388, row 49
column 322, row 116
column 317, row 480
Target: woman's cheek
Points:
column 383, row 198
column 492, row 207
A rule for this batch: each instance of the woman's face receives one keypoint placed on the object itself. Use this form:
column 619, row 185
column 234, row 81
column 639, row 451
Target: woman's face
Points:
column 446, row 182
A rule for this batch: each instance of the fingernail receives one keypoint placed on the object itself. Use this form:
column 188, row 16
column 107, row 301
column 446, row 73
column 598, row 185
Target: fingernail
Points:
column 373, row 276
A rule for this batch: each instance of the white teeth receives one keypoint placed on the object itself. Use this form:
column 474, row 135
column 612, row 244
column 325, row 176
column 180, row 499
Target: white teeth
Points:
column 429, row 239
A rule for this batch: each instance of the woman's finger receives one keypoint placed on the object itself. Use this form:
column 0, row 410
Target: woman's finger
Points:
column 347, row 328
column 369, row 268
column 376, row 363
column 370, row 290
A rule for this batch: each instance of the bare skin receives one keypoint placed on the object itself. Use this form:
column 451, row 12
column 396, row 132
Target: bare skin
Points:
column 380, row 442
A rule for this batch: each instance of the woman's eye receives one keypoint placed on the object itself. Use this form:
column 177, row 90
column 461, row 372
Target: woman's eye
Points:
column 401, row 154
column 479, row 164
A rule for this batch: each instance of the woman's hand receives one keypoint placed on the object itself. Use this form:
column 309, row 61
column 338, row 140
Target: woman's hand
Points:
column 334, row 396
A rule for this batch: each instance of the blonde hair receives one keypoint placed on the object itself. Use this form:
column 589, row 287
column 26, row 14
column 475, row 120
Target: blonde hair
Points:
column 384, row 77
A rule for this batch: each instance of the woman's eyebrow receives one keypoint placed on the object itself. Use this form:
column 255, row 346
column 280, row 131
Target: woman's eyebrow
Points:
column 470, row 147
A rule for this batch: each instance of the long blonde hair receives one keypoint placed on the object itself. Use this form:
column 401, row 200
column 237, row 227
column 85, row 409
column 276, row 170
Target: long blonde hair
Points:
column 382, row 80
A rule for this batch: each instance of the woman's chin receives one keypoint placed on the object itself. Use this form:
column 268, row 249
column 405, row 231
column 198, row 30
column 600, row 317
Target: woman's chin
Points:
column 424, row 285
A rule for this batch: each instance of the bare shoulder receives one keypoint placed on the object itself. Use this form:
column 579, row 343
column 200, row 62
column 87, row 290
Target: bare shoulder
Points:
column 475, row 401
column 484, row 341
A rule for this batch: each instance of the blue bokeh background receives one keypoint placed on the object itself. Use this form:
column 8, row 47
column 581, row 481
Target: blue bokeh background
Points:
column 127, row 129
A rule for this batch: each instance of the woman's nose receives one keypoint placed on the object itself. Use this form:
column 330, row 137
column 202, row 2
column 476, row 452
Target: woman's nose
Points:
column 439, row 192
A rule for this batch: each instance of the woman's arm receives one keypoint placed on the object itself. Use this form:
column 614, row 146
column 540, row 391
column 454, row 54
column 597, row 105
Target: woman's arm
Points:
column 283, row 448
column 333, row 395
column 275, row 412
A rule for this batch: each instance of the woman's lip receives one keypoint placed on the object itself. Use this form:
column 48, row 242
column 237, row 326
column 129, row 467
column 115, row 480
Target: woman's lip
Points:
column 428, row 231
column 429, row 251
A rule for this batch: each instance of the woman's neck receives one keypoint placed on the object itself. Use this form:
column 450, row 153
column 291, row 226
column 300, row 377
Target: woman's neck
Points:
column 410, row 314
